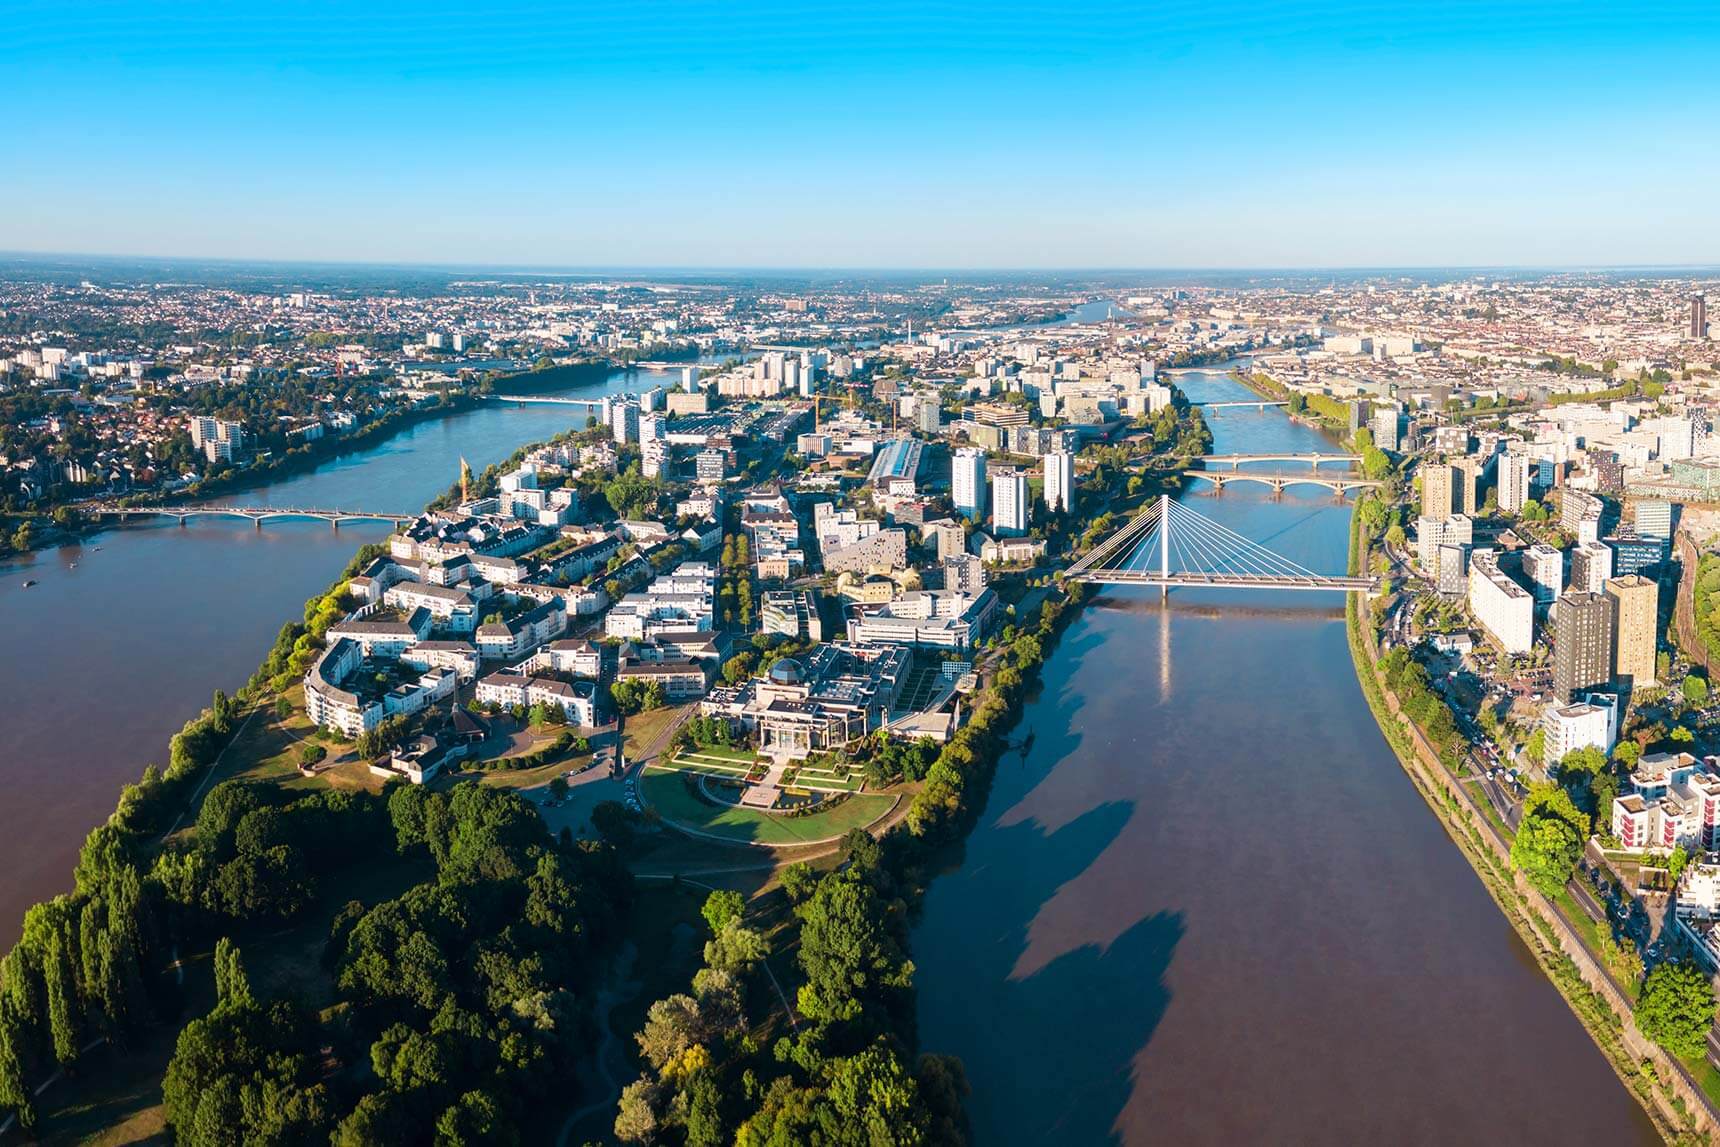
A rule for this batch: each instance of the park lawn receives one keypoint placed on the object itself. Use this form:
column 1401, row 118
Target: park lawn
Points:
column 530, row 778
column 664, row 789
column 742, row 757
column 683, row 762
column 645, row 729
column 826, row 781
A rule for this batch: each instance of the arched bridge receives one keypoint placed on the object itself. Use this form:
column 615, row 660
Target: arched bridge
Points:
column 1169, row 544
column 257, row 514
column 1337, row 483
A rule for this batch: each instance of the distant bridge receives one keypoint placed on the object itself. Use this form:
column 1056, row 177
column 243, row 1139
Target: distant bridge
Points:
column 1337, row 483
column 1256, row 403
column 1169, row 545
column 553, row 400
column 257, row 514
column 1314, row 460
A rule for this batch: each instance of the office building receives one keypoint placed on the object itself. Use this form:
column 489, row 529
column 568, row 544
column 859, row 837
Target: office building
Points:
column 1059, row 481
column 1699, row 317
column 1654, row 520
column 967, row 481
column 1505, row 609
column 1545, row 568
column 1009, row 502
column 1591, row 566
column 1636, row 615
column 1582, row 644
column 1436, row 483
column 1634, row 555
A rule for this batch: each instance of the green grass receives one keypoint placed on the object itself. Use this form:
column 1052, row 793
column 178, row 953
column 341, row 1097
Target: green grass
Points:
column 644, row 729
column 685, row 763
column 665, row 790
column 743, row 757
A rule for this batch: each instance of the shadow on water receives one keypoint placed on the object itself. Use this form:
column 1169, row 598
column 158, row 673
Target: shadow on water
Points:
column 1090, row 1003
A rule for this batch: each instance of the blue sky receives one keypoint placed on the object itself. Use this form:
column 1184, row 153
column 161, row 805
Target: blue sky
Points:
column 813, row 134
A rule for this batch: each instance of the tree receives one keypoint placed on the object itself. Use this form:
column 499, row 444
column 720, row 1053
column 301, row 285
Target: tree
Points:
column 851, row 959
column 1676, row 1008
column 735, row 948
column 1549, row 838
column 1696, row 689
column 557, row 788
column 1676, row 862
column 799, row 881
column 721, row 908
column 232, row 986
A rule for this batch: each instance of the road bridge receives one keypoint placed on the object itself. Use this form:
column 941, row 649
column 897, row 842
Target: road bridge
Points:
column 550, row 399
column 1256, row 403
column 1169, row 545
column 1314, row 460
column 1337, row 483
column 257, row 514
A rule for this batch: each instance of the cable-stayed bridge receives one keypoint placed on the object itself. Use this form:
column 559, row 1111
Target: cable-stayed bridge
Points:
column 1169, row 544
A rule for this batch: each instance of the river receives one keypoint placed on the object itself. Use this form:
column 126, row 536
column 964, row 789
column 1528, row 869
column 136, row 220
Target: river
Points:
column 129, row 633
column 1205, row 905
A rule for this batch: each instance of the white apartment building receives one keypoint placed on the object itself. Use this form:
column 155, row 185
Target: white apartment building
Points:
column 576, row 699
column 624, row 422
column 1546, row 569
column 1673, row 800
column 1592, row 722
column 1059, row 481
column 1010, row 502
column 1432, row 533
column 967, row 481
column 455, row 608
column 1591, row 567
column 1504, row 608
column 1696, row 911
column 1514, row 472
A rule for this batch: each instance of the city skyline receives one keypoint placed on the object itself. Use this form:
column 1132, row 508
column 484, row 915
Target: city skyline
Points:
column 1262, row 137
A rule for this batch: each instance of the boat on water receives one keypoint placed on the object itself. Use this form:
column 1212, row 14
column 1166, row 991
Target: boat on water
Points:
column 28, row 582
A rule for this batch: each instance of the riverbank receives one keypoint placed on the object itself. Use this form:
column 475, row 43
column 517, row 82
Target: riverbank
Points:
column 301, row 460
column 1671, row 1098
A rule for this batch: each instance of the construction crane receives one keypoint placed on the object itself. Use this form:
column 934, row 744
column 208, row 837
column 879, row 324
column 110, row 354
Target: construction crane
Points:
column 818, row 401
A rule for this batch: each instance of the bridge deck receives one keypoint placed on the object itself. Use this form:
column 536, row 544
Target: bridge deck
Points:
column 1225, row 581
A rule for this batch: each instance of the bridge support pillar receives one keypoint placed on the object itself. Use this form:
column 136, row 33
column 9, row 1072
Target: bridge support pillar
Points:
column 334, row 524
column 258, row 522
